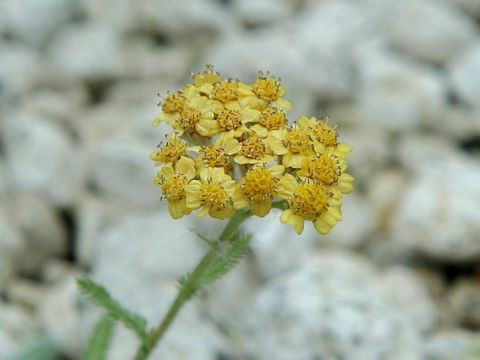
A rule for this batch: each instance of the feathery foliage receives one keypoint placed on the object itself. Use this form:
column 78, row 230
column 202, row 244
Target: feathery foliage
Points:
column 39, row 349
column 100, row 339
column 224, row 264
column 221, row 265
column 98, row 295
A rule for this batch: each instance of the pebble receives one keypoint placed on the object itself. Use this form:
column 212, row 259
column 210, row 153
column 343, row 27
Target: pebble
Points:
column 87, row 52
column 35, row 21
column 396, row 94
column 42, row 230
column 428, row 29
column 328, row 308
column 464, row 302
column 41, row 157
column 464, row 72
column 438, row 214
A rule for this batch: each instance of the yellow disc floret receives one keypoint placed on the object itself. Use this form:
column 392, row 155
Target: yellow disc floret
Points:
column 189, row 117
column 212, row 192
column 266, row 89
column 309, row 201
column 229, row 120
column 298, row 141
column 259, row 184
column 225, row 91
column 170, row 152
column 325, row 169
column 174, row 103
column 215, row 156
column 273, row 119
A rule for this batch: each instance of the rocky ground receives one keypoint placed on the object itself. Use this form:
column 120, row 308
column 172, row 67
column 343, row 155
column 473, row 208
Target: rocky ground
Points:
column 398, row 279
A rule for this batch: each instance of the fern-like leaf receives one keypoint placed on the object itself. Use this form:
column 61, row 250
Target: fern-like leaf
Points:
column 100, row 339
column 224, row 264
column 98, row 295
column 39, row 349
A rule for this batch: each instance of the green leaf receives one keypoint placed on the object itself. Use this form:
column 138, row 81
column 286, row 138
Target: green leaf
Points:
column 222, row 265
column 98, row 295
column 40, row 349
column 100, row 339
column 207, row 240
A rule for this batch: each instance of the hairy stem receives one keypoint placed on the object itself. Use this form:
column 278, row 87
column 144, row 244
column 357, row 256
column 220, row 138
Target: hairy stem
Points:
column 188, row 288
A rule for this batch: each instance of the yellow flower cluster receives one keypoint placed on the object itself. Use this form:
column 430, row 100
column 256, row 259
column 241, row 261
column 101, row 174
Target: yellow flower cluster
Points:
column 232, row 148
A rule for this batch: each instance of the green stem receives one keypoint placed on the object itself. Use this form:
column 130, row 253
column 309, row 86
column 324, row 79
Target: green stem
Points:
column 234, row 223
column 188, row 288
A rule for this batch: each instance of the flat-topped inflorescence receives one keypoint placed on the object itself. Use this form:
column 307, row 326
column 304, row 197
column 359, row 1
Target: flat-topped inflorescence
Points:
column 231, row 148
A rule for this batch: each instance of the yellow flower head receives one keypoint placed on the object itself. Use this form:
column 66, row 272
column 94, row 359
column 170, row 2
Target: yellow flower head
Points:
column 308, row 201
column 257, row 189
column 212, row 192
column 219, row 153
column 173, row 150
column 246, row 155
column 254, row 150
column 294, row 144
column 173, row 179
column 266, row 92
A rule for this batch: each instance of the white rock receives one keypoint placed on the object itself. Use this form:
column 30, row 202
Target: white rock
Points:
column 229, row 300
column 438, row 214
column 17, row 327
column 255, row 12
column 456, row 122
column 183, row 18
column 147, row 246
column 400, row 285
column 92, row 216
column 12, row 246
column 452, row 344
column 59, row 315
column 471, row 6
column 358, row 223
column 429, row 29
column 20, row 68
column 88, row 52
column 3, row 185
column 329, row 34
column 43, row 234
column 465, row 75
column 118, row 14
column 277, row 248
column 63, row 105
column 371, row 149
column 35, row 21
column 328, row 309
column 142, row 60
column 384, row 191
column 123, row 171
column 40, row 157
column 396, row 94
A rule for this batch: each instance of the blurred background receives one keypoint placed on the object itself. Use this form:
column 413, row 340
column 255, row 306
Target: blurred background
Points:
column 398, row 279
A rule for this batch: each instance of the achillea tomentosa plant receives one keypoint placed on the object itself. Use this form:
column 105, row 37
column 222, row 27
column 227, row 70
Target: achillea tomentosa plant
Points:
column 232, row 154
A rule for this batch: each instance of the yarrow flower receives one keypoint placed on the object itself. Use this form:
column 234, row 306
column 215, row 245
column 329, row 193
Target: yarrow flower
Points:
column 232, row 148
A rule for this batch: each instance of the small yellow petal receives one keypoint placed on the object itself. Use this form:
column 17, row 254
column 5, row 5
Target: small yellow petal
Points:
column 261, row 208
column 288, row 217
column 322, row 227
column 287, row 186
column 177, row 209
column 222, row 213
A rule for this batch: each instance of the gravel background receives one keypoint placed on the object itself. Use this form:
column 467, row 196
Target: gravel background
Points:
column 398, row 279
